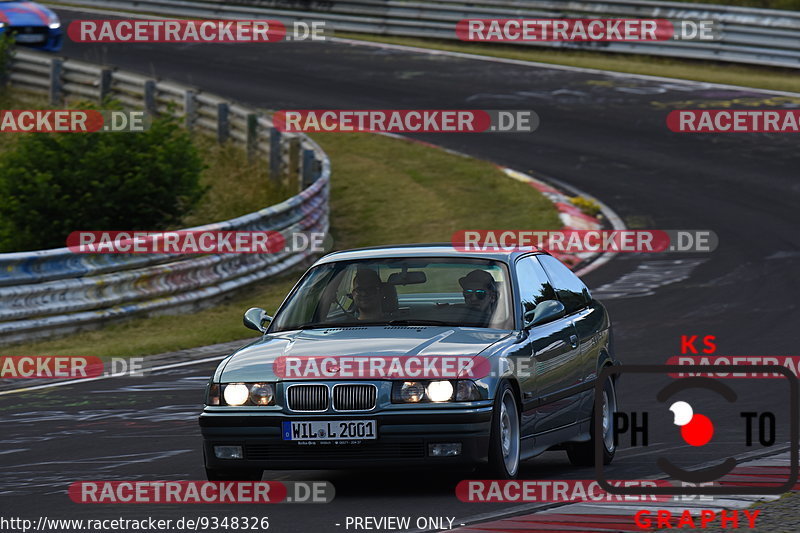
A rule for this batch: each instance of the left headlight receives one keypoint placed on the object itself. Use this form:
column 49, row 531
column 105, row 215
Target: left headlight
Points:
column 238, row 394
column 435, row 391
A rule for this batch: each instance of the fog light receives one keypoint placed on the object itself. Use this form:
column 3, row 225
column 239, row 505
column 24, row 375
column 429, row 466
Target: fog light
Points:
column 228, row 452
column 450, row 449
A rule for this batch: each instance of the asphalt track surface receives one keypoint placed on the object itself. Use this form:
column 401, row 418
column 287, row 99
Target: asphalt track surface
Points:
column 601, row 133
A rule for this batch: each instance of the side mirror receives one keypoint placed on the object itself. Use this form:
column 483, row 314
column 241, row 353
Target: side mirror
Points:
column 546, row 311
column 257, row 319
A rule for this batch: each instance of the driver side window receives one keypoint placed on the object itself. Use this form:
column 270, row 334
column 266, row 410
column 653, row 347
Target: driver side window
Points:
column 534, row 287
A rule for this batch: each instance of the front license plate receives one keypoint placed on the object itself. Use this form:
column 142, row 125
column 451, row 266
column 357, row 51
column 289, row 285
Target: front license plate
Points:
column 333, row 430
column 30, row 38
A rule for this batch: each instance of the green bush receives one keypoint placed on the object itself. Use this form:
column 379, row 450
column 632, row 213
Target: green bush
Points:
column 53, row 184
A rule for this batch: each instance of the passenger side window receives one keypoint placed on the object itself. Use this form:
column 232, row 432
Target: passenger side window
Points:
column 569, row 288
column 534, row 286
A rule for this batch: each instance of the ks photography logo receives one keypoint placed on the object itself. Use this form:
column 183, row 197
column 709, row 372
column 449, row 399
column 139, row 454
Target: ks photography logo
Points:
column 684, row 421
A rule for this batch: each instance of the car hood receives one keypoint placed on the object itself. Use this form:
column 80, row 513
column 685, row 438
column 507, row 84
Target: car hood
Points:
column 254, row 362
column 24, row 14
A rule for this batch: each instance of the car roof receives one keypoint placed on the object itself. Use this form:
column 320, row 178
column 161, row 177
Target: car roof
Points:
column 425, row 250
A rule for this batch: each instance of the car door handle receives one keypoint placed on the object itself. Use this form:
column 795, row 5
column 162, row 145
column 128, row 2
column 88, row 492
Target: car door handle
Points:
column 573, row 341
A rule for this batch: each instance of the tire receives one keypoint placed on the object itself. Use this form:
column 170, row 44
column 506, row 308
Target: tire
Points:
column 504, row 440
column 582, row 454
column 234, row 474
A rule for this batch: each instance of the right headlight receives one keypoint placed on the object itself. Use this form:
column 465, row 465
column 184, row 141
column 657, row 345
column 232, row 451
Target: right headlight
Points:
column 237, row 394
column 435, row 391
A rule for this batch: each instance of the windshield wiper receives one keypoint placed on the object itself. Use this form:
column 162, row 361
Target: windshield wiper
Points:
column 413, row 322
column 314, row 325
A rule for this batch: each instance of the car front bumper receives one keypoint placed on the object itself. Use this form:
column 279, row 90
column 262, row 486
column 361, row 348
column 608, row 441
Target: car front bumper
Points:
column 53, row 38
column 403, row 439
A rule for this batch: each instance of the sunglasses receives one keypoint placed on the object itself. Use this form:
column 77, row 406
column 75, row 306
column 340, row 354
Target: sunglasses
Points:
column 480, row 294
column 365, row 291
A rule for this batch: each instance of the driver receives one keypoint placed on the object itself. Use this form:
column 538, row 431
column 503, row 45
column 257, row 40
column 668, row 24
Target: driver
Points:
column 480, row 293
column 367, row 295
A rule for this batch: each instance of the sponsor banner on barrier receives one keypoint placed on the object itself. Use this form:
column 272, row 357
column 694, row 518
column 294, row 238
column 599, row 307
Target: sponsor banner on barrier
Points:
column 577, row 241
column 790, row 362
column 193, row 242
column 585, row 30
column 734, row 121
column 573, row 490
column 72, row 121
column 382, row 367
column 50, row 367
column 406, row 120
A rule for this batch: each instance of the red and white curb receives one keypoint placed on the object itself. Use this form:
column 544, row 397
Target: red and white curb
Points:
column 594, row 517
column 572, row 217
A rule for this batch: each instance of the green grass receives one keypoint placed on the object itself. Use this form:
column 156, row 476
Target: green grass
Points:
column 235, row 186
column 726, row 73
column 383, row 191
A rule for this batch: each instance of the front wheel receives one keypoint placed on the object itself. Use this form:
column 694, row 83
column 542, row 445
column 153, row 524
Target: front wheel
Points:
column 504, row 443
column 582, row 454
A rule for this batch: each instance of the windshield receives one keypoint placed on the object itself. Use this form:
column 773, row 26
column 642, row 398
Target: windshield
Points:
column 426, row 291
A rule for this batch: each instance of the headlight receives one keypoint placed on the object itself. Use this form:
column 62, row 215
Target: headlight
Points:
column 440, row 391
column 237, row 394
column 456, row 390
column 54, row 22
column 412, row 391
column 262, row 393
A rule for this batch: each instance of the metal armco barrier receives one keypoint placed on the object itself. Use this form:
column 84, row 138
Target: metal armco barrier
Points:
column 748, row 35
column 52, row 292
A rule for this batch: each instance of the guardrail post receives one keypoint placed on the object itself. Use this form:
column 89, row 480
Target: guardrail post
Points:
column 292, row 161
column 308, row 168
column 190, row 108
column 105, row 84
column 150, row 97
column 223, row 122
column 252, row 136
column 56, row 82
column 275, row 156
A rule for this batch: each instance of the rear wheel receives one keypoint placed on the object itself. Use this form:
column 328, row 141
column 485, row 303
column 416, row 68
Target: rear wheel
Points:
column 582, row 454
column 504, row 443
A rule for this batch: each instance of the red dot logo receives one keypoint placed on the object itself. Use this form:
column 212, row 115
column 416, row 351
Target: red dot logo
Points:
column 696, row 429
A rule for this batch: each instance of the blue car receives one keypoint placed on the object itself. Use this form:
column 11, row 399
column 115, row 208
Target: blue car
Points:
column 32, row 24
column 295, row 399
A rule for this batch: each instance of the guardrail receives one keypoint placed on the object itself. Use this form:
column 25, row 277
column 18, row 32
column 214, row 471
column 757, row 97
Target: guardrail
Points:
column 52, row 292
column 748, row 35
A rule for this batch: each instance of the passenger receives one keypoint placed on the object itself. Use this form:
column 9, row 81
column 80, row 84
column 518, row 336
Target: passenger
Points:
column 480, row 293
